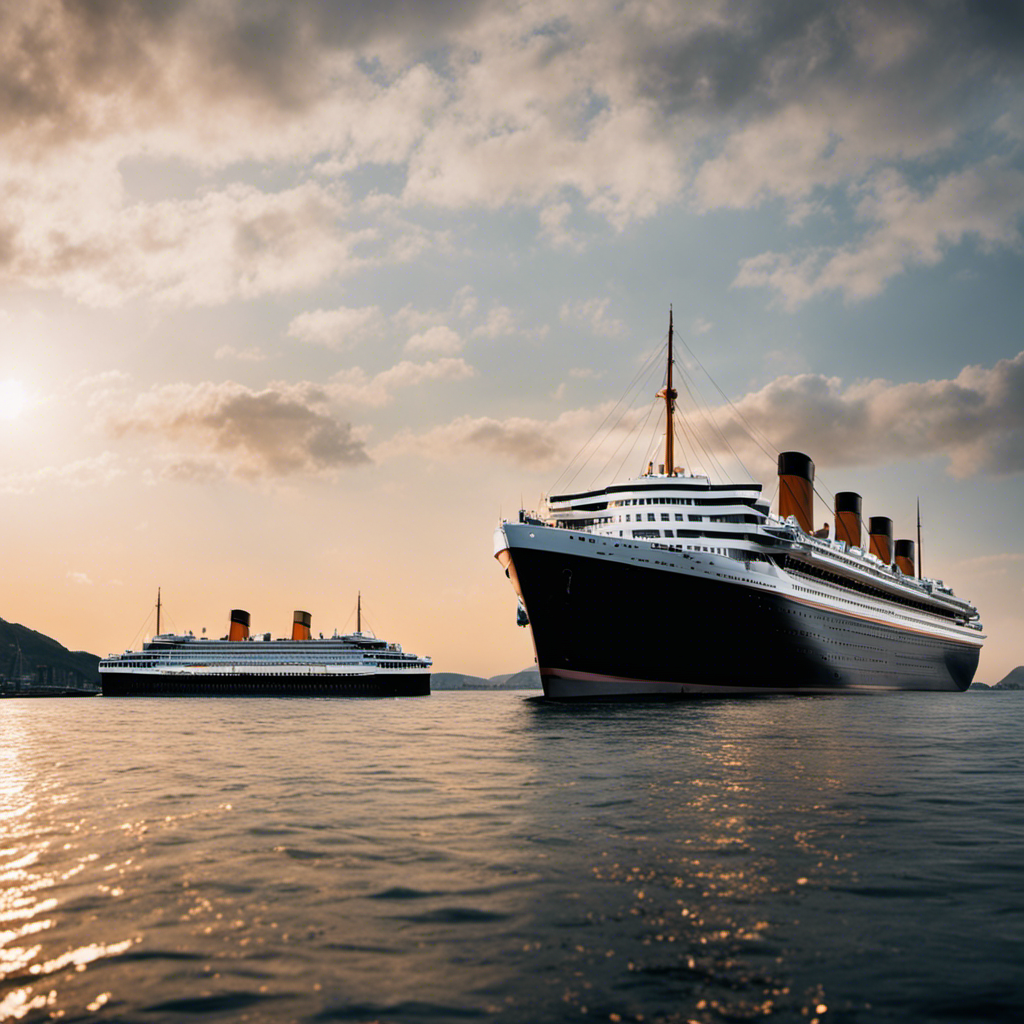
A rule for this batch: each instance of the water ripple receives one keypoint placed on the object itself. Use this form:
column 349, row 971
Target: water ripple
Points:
column 479, row 856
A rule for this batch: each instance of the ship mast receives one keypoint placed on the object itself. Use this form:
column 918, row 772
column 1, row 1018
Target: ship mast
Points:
column 157, row 611
column 669, row 394
column 359, row 611
column 919, row 573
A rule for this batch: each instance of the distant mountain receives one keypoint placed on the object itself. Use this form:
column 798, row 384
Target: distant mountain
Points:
column 527, row 679
column 32, row 660
column 458, row 681
column 1013, row 681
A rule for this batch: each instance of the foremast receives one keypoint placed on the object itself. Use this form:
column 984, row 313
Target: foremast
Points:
column 669, row 394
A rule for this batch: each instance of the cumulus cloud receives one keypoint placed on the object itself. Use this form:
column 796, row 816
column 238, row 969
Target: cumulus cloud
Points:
column 98, row 469
column 438, row 340
column 816, row 93
column 356, row 386
column 518, row 441
column 278, row 431
column 78, row 71
column 554, row 219
column 909, row 228
column 344, row 327
column 975, row 420
column 500, row 322
column 239, row 242
column 601, row 108
column 593, row 313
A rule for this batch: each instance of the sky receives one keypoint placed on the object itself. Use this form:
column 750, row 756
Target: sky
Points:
column 299, row 299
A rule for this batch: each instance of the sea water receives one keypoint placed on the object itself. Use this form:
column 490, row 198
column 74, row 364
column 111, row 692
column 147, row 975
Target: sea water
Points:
column 481, row 856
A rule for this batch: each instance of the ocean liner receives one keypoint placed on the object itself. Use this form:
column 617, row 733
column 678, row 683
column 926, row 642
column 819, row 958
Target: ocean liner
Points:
column 239, row 665
column 668, row 585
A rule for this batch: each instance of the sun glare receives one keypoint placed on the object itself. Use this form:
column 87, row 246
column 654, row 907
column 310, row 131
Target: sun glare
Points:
column 13, row 399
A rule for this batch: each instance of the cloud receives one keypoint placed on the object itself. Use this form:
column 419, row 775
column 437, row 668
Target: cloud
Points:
column 500, row 322
column 243, row 355
column 355, row 386
column 80, row 71
column 517, row 441
column 80, row 578
column 553, row 220
column 344, row 327
column 99, row 469
column 975, row 420
column 464, row 302
column 439, row 340
column 239, row 242
column 593, row 313
column 278, row 431
column 811, row 94
column 611, row 110
column 910, row 228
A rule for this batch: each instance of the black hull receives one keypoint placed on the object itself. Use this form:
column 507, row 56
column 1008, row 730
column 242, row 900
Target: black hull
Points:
column 604, row 629
column 130, row 684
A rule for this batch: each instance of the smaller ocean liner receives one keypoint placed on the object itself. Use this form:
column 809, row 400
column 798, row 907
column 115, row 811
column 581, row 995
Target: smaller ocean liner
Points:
column 242, row 665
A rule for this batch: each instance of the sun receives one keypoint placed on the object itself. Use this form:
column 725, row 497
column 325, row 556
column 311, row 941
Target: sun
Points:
column 13, row 399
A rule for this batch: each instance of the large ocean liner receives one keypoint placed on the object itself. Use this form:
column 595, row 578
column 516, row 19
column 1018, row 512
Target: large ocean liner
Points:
column 239, row 665
column 668, row 585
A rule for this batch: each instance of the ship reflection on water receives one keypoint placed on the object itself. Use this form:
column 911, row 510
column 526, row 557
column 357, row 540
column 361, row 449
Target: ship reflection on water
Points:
column 697, row 848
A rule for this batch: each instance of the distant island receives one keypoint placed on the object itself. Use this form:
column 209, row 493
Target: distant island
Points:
column 32, row 664
column 1013, row 680
column 526, row 679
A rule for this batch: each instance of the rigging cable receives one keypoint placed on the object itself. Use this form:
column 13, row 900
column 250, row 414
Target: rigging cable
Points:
column 638, row 432
column 638, row 428
column 644, row 368
column 712, row 462
column 709, row 414
column 599, row 475
column 753, row 431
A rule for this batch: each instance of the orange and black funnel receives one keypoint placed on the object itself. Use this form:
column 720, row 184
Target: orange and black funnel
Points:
column 905, row 557
column 848, row 518
column 239, row 625
column 880, row 529
column 300, row 626
column 796, row 488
